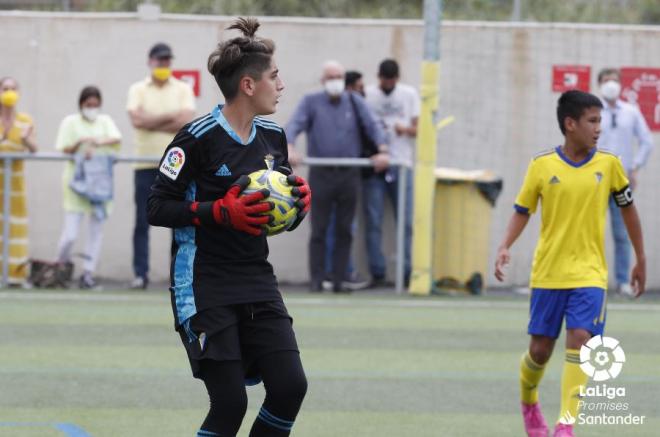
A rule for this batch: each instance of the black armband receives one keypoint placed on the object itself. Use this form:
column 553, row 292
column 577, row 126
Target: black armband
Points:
column 623, row 197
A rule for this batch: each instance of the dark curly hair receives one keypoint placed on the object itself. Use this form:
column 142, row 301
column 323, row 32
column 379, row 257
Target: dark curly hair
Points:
column 244, row 55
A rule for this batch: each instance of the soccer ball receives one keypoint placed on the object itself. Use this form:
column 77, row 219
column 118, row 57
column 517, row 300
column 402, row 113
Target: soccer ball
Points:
column 285, row 210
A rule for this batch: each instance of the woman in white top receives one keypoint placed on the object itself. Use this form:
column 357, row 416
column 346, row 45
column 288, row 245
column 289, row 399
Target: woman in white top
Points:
column 87, row 132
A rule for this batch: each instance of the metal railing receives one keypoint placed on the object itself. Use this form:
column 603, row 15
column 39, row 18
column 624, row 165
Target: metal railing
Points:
column 9, row 158
column 400, row 210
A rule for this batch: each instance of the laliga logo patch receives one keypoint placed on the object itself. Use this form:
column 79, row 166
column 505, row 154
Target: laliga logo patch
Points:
column 602, row 358
column 173, row 163
column 175, row 158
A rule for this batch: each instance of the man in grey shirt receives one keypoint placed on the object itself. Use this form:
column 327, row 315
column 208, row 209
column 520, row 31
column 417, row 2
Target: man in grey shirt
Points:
column 621, row 125
column 334, row 121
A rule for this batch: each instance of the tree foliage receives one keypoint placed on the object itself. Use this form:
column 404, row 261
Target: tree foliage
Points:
column 587, row 11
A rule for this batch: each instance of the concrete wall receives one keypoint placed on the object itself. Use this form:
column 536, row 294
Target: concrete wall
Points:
column 495, row 80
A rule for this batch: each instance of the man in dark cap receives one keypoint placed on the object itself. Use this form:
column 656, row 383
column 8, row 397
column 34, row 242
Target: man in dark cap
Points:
column 158, row 107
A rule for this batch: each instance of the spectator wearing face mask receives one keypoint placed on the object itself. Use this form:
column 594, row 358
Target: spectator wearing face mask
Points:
column 16, row 135
column 622, row 128
column 158, row 107
column 353, row 281
column 85, row 134
column 332, row 121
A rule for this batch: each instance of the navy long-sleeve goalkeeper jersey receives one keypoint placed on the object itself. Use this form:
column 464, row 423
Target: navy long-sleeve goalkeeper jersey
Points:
column 214, row 265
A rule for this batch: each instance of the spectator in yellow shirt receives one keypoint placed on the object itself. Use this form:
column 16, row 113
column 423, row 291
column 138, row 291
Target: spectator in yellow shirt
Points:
column 87, row 133
column 158, row 107
column 16, row 135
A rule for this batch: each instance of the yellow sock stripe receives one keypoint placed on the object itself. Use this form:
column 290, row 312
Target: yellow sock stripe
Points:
column 529, row 362
column 573, row 356
column 571, row 379
column 531, row 374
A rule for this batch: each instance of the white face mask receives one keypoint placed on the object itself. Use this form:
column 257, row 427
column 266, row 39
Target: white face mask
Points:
column 90, row 113
column 334, row 87
column 610, row 90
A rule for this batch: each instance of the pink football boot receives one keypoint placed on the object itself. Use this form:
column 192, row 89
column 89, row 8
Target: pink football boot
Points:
column 535, row 424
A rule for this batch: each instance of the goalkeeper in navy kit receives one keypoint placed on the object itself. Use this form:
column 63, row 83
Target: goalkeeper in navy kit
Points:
column 227, row 306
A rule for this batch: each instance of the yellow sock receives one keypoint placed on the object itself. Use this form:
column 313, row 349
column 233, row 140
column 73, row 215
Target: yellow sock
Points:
column 571, row 379
column 530, row 376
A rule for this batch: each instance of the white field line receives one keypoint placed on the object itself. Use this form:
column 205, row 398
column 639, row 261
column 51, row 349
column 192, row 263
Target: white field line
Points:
column 303, row 301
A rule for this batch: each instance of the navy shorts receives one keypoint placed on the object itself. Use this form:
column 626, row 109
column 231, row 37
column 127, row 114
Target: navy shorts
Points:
column 584, row 308
column 242, row 332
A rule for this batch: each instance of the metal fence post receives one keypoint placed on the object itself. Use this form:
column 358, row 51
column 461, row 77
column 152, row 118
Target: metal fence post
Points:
column 401, row 227
column 6, row 216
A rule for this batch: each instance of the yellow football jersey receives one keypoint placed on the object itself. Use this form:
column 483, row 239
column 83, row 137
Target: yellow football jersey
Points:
column 574, row 196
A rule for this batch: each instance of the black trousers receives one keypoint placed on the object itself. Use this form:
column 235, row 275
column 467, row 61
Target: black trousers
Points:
column 285, row 384
column 336, row 187
column 144, row 179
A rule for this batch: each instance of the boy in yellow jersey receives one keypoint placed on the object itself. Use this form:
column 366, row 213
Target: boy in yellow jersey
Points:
column 569, row 272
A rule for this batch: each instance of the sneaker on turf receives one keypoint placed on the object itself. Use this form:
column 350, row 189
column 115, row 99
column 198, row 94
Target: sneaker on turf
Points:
column 139, row 283
column 326, row 285
column 535, row 424
column 562, row 430
column 87, row 282
column 625, row 290
column 355, row 282
column 352, row 283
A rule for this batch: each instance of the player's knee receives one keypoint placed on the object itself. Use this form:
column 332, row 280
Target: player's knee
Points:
column 575, row 338
column 299, row 388
column 291, row 391
column 540, row 353
column 234, row 405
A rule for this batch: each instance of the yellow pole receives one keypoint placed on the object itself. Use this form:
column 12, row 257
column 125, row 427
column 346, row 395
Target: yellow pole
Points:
column 421, row 280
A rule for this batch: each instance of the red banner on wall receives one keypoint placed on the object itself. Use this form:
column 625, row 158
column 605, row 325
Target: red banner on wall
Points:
column 640, row 86
column 189, row 76
column 570, row 77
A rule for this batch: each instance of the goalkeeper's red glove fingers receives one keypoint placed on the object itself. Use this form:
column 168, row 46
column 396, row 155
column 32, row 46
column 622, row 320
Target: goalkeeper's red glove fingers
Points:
column 255, row 197
column 303, row 204
column 259, row 219
column 301, row 191
column 301, row 187
column 237, row 187
column 298, row 220
column 242, row 182
column 295, row 180
column 259, row 207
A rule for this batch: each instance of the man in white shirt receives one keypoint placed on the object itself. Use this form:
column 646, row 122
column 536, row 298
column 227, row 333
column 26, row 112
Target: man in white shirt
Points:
column 396, row 106
column 621, row 125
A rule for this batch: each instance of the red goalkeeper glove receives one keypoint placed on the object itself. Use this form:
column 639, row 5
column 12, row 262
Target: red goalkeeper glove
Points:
column 304, row 194
column 243, row 213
